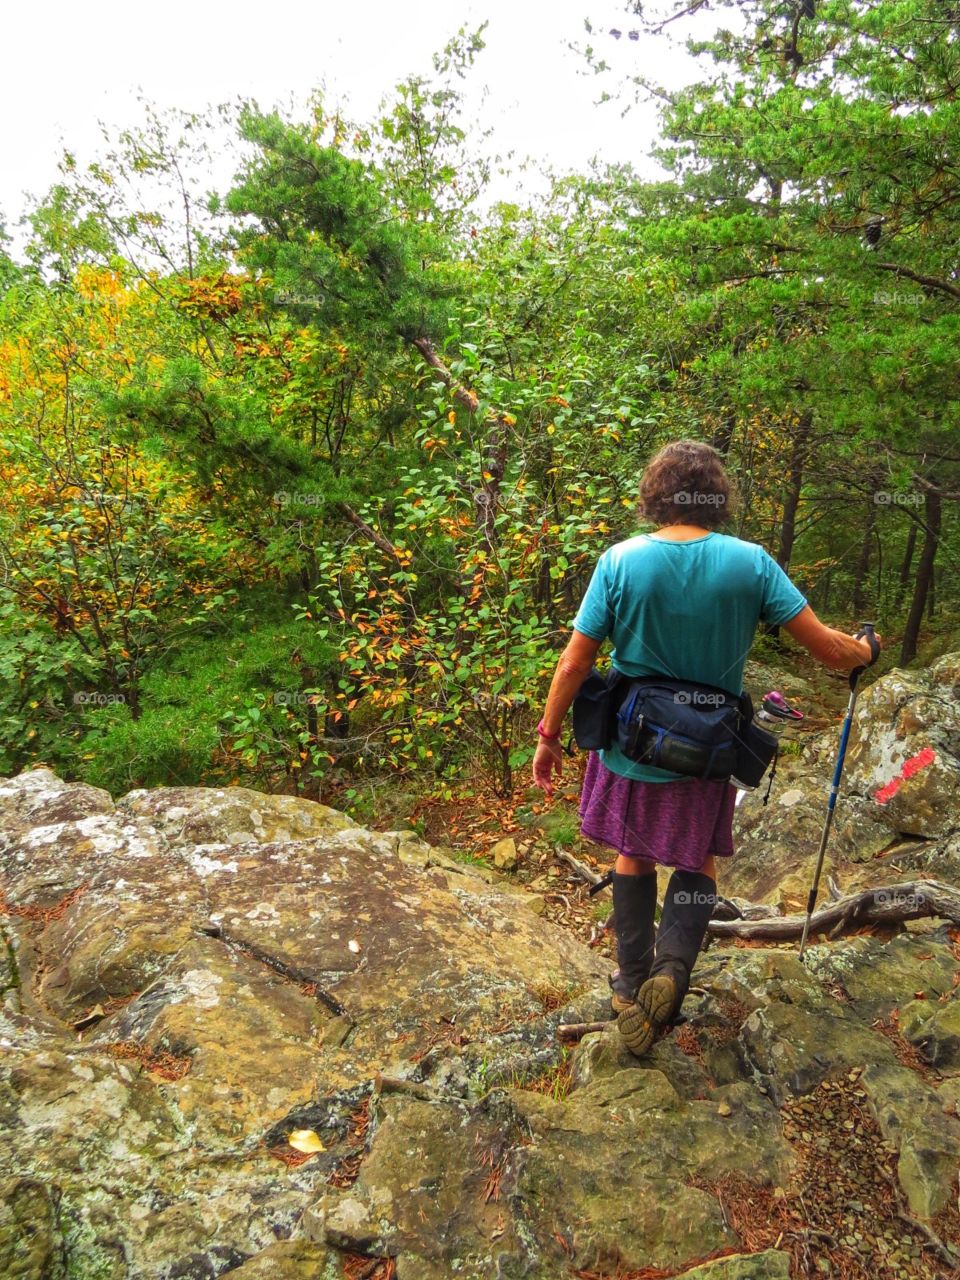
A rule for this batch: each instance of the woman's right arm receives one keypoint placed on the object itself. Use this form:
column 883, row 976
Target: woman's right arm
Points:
column 833, row 648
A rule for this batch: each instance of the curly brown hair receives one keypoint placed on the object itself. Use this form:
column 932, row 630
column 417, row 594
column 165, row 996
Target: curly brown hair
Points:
column 686, row 482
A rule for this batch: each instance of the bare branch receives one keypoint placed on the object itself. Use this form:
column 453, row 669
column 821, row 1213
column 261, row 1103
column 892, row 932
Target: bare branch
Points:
column 929, row 282
column 374, row 536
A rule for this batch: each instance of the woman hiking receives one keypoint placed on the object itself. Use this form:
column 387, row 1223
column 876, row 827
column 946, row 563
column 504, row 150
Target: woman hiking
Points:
column 684, row 602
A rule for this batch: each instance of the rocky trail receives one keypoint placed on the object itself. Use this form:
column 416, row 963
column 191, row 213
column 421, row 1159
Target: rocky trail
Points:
column 242, row 1035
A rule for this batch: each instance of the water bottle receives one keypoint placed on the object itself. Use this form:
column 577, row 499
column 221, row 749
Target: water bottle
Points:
column 774, row 715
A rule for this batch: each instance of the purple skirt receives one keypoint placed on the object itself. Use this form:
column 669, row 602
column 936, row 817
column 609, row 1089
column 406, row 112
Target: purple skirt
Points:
column 676, row 823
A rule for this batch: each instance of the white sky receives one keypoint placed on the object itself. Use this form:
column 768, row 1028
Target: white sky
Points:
column 69, row 64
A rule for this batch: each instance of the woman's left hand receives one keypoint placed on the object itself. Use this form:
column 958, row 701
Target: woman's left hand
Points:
column 547, row 761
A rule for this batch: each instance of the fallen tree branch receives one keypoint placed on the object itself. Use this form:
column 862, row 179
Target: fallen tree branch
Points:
column 581, row 868
column 741, row 909
column 577, row 1030
column 887, row 904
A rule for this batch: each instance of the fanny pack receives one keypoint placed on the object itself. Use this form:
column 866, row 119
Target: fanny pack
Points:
column 595, row 709
column 682, row 726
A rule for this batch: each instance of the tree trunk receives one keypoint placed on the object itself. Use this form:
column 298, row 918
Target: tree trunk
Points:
column 907, row 561
column 791, row 501
column 928, row 552
column 879, row 586
column 863, row 563
column 723, row 436
column 826, row 587
column 334, row 725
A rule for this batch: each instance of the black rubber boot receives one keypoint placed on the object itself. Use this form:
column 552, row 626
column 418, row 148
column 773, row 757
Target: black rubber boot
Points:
column 634, row 906
column 687, row 907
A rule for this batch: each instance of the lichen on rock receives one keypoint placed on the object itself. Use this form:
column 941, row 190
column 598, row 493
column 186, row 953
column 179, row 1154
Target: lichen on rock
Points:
column 188, row 976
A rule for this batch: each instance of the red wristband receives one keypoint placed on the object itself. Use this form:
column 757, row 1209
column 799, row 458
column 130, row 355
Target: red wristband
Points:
column 548, row 737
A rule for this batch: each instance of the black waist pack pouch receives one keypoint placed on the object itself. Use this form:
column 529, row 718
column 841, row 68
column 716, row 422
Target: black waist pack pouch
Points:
column 595, row 709
column 756, row 747
column 687, row 728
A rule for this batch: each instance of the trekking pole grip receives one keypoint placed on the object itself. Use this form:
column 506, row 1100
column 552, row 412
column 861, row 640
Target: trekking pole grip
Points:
column 867, row 632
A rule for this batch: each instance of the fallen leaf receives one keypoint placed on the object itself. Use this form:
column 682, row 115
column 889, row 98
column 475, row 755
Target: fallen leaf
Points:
column 305, row 1140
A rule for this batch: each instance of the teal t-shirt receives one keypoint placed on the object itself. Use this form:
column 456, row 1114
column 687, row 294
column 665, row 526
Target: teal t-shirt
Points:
column 683, row 609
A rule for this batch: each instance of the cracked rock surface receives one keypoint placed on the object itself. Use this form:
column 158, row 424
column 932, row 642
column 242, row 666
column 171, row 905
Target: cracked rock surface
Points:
column 189, row 976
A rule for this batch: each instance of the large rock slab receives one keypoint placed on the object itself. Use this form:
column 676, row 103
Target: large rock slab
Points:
column 787, row 1026
column 538, row 1195
column 905, row 747
column 874, row 976
column 39, row 798
column 770, row 1264
column 927, row 1140
column 192, row 974
column 31, row 1247
column 186, row 977
column 901, row 780
column 292, row 1260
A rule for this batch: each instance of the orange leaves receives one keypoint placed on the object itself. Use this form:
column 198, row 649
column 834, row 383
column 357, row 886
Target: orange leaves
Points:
column 216, row 298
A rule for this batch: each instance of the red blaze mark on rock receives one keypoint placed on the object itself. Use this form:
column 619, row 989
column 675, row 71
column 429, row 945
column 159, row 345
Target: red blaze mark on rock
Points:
column 912, row 766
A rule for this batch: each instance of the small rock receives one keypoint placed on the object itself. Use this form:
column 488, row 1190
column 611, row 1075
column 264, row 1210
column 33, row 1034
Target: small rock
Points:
column 504, row 854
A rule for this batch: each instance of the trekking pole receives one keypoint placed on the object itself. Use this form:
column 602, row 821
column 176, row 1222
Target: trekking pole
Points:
column 866, row 632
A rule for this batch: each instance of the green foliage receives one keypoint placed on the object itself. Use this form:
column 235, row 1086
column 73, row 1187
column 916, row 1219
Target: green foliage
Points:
column 305, row 482
column 210, row 711
column 39, row 674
